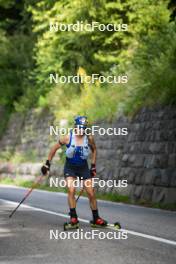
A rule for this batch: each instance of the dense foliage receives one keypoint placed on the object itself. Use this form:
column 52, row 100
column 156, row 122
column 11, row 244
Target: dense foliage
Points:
column 30, row 52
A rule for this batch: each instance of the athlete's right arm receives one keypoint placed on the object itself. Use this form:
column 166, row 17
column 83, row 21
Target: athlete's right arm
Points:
column 59, row 144
column 45, row 168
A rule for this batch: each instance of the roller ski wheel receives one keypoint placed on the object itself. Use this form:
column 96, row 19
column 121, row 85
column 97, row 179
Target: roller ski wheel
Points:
column 117, row 225
column 73, row 224
column 98, row 223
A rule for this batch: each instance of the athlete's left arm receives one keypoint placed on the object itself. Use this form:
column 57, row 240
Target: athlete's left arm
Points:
column 93, row 149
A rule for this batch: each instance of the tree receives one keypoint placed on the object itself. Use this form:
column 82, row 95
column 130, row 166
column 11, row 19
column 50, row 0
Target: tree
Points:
column 16, row 48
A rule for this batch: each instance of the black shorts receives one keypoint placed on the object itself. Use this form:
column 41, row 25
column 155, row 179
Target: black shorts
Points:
column 81, row 171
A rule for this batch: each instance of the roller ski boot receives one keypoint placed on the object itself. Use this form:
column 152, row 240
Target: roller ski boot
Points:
column 99, row 222
column 73, row 224
column 104, row 224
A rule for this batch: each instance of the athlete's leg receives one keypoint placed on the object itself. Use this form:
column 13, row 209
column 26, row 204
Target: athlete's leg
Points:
column 88, row 186
column 70, row 177
column 74, row 223
column 71, row 191
column 71, row 199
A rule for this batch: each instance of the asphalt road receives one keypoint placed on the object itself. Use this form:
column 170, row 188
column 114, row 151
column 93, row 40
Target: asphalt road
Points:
column 25, row 238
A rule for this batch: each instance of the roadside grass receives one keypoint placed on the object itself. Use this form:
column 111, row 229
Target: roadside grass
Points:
column 113, row 197
column 28, row 184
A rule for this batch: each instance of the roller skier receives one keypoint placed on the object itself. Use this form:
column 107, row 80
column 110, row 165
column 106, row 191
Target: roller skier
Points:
column 78, row 147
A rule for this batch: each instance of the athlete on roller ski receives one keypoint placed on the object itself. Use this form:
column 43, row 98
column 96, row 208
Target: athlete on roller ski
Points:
column 78, row 147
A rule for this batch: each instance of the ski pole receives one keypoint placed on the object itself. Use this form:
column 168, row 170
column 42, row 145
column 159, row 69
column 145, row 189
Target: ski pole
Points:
column 27, row 194
column 81, row 192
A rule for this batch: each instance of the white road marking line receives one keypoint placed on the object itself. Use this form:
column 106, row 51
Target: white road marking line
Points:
column 159, row 239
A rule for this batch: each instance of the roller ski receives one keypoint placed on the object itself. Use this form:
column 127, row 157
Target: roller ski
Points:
column 73, row 224
column 99, row 222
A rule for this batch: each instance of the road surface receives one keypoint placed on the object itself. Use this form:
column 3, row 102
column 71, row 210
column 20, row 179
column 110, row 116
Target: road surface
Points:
column 26, row 237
